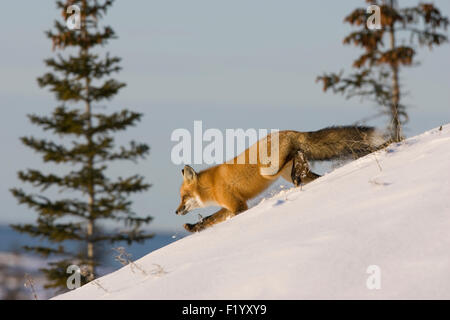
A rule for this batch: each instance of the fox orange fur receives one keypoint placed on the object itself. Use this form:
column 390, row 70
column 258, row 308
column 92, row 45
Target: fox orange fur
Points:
column 231, row 184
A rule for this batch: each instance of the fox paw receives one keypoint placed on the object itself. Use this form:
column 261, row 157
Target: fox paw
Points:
column 297, row 181
column 192, row 227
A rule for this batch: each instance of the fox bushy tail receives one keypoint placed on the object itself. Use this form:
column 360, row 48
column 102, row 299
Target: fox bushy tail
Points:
column 341, row 142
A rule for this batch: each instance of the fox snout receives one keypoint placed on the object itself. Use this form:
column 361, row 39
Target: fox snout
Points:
column 181, row 211
column 187, row 205
column 190, row 199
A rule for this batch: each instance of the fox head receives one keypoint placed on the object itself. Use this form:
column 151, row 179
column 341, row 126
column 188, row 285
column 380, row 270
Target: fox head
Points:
column 190, row 197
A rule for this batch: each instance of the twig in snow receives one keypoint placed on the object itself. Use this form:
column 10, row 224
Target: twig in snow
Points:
column 378, row 163
column 124, row 258
column 97, row 283
column 378, row 183
column 86, row 272
column 29, row 283
column 159, row 271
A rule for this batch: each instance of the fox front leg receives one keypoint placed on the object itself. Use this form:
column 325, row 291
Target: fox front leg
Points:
column 217, row 217
column 237, row 206
column 300, row 170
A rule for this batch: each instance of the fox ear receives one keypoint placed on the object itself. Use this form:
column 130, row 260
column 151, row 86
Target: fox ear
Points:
column 189, row 174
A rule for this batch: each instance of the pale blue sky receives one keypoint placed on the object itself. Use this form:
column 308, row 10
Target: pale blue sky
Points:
column 232, row 64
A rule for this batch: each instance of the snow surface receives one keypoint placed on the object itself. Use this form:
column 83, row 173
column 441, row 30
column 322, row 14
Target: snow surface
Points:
column 390, row 209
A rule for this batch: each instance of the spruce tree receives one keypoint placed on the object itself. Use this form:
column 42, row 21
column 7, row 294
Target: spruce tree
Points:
column 386, row 51
column 85, row 147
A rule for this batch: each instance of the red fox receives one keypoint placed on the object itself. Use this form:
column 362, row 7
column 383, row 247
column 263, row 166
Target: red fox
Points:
column 231, row 184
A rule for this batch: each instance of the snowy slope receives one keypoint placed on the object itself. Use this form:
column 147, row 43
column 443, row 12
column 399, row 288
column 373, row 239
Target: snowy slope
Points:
column 390, row 209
